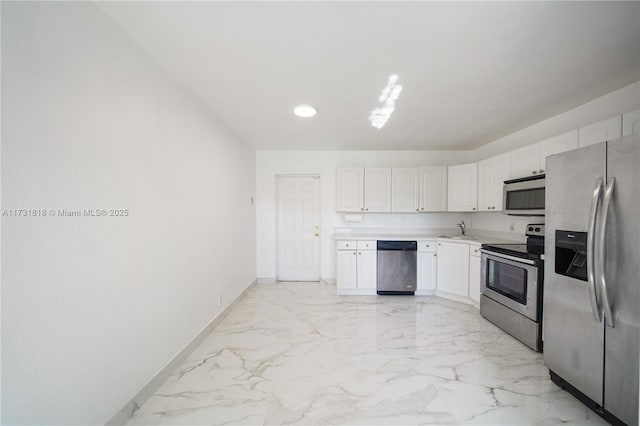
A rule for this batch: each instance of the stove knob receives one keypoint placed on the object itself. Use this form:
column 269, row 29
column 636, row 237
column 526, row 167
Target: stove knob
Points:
column 537, row 229
column 530, row 228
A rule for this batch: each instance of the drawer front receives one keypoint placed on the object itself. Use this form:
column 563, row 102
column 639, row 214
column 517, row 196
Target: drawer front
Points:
column 367, row 245
column 427, row 246
column 345, row 245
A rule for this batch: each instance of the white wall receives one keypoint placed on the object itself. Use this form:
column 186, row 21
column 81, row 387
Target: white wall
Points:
column 272, row 163
column 614, row 103
column 92, row 308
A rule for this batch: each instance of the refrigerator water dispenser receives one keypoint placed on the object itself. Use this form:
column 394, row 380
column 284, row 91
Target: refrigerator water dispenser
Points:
column 571, row 254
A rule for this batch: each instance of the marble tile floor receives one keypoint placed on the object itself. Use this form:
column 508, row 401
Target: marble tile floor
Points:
column 295, row 353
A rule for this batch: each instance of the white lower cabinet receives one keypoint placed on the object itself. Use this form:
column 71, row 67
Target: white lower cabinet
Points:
column 474, row 273
column 445, row 268
column 453, row 268
column 356, row 267
column 367, row 269
column 346, row 274
column 427, row 267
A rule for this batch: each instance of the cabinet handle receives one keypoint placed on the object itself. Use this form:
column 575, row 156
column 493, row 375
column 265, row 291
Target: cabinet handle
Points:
column 361, row 208
column 473, row 208
column 535, row 172
column 367, row 210
column 359, row 253
column 540, row 171
column 354, row 253
column 428, row 245
column 422, row 208
column 439, row 244
column 417, row 210
column 346, row 245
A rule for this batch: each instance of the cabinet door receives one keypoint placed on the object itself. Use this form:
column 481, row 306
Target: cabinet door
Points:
column 367, row 269
column 427, row 268
column 377, row 189
column 557, row 144
column 485, row 185
column 474, row 278
column 433, row 189
column 405, row 182
column 453, row 268
column 463, row 188
column 631, row 123
column 605, row 130
column 346, row 269
column 501, row 168
column 350, row 189
column 525, row 161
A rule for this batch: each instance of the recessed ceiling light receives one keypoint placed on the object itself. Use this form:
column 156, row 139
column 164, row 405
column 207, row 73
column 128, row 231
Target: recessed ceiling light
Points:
column 387, row 99
column 304, row 111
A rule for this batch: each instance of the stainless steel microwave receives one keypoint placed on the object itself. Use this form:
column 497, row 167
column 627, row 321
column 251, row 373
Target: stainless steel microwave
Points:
column 524, row 196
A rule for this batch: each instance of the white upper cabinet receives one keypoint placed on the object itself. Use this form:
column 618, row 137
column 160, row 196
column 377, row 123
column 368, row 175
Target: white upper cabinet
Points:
column 631, row 123
column 377, row 189
column 462, row 188
column 433, row 189
column 406, row 189
column 350, row 189
column 492, row 173
column 557, row 144
column 525, row 161
column 605, row 130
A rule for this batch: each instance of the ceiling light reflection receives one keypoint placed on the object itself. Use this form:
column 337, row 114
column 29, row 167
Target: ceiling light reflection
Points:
column 380, row 115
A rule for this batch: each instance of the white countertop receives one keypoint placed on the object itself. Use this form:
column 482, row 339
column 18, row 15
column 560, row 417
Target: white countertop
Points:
column 475, row 236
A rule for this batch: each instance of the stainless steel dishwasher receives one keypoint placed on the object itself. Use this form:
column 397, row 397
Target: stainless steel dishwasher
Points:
column 397, row 267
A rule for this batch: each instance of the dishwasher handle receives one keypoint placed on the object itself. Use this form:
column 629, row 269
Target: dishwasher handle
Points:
column 397, row 246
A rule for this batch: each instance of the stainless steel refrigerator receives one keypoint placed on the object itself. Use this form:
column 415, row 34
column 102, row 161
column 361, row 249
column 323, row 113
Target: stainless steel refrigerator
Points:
column 591, row 310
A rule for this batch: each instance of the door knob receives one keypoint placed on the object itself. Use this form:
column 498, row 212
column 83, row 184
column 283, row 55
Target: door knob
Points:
column 316, row 234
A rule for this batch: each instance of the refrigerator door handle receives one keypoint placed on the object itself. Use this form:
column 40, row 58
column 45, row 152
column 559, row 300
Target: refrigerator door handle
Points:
column 591, row 246
column 602, row 247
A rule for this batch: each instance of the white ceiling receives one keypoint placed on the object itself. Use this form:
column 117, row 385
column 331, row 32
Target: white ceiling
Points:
column 471, row 71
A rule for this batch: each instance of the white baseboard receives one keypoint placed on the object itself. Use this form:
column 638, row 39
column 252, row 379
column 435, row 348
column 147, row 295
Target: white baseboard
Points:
column 356, row 292
column 455, row 297
column 425, row 292
column 126, row 412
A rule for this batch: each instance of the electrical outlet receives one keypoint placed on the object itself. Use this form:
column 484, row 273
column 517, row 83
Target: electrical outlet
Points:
column 219, row 299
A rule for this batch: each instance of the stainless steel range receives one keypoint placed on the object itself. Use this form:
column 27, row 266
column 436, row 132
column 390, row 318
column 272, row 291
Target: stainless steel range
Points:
column 511, row 286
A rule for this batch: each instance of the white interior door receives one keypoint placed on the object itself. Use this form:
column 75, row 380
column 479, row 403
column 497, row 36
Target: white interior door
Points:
column 298, row 212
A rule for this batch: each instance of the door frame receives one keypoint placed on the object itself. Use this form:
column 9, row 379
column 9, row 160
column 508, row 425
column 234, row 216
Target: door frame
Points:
column 277, row 205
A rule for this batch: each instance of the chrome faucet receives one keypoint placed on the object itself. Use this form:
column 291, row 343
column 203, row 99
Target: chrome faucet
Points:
column 461, row 225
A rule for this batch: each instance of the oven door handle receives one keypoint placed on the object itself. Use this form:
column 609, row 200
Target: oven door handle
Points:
column 506, row 256
column 591, row 248
column 602, row 250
